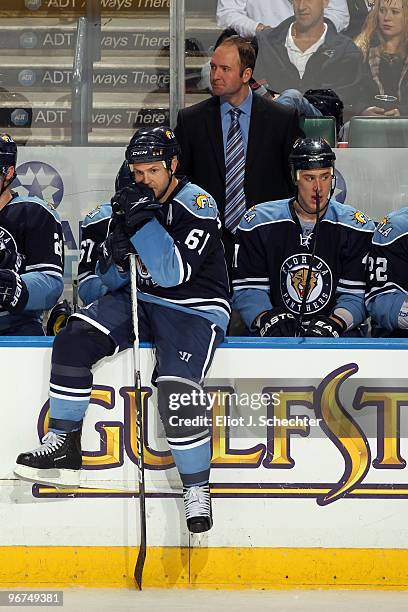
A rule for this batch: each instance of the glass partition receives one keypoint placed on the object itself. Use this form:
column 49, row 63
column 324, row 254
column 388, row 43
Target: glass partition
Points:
column 130, row 77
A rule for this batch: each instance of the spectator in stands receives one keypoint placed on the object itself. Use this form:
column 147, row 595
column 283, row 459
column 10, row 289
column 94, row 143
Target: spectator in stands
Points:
column 305, row 52
column 235, row 140
column 248, row 17
column 384, row 43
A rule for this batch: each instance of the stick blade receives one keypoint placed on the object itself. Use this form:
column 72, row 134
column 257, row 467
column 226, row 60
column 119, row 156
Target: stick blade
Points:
column 141, row 557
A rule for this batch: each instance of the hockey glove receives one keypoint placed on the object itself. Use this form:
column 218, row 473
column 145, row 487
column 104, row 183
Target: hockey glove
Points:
column 115, row 250
column 13, row 291
column 277, row 323
column 325, row 327
column 11, row 260
column 137, row 203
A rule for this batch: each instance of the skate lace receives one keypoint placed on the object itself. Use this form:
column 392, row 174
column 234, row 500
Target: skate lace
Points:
column 50, row 443
column 197, row 501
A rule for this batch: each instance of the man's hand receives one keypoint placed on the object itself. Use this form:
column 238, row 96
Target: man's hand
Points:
column 276, row 323
column 325, row 327
column 13, row 291
column 115, row 249
column 137, row 204
column 11, row 260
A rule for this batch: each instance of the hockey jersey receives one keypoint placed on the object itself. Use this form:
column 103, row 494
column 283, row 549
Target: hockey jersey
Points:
column 387, row 273
column 272, row 260
column 32, row 228
column 180, row 257
column 94, row 229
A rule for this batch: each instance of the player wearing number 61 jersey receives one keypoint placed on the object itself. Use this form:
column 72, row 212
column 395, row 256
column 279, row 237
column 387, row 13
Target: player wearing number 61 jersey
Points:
column 183, row 309
column 387, row 276
column 31, row 253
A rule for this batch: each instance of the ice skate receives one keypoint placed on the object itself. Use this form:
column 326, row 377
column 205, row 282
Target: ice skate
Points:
column 197, row 504
column 56, row 462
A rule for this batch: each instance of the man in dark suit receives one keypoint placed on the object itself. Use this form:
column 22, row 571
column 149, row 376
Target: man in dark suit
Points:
column 241, row 161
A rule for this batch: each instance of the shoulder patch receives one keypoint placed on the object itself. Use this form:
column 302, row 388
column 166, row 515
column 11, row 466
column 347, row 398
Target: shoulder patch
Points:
column 99, row 213
column 360, row 217
column 93, row 212
column 250, row 214
column 203, row 200
column 197, row 201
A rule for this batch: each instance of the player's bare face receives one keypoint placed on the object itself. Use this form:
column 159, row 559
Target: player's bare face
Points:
column 154, row 175
column 225, row 72
column 308, row 13
column 391, row 18
column 311, row 182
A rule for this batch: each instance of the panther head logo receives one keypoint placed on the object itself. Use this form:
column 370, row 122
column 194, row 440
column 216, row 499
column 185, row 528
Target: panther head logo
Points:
column 298, row 280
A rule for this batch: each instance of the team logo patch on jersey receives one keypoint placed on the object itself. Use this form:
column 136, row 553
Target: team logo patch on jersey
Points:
column 250, row 214
column 38, row 179
column 360, row 217
column 7, row 241
column 382, row 227
column 202, row 201
column 293, row 277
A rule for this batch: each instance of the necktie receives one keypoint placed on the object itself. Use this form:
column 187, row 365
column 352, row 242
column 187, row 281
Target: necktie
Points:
column 234, row 177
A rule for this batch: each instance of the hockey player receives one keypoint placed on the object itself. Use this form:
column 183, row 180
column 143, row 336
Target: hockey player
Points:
column 303, row 258
column 387, row 276
column 31, row 259
column 94, row 231
column 183, row 308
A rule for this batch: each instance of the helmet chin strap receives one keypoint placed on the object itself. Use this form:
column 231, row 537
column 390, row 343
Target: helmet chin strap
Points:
column 321, row 208
column 171, row 174
column 6, row 183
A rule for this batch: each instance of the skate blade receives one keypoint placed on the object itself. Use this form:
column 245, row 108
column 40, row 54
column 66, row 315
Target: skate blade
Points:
column 59, row 478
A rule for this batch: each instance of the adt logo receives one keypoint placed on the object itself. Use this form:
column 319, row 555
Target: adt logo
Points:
column 340, row 193
column 39, row 179
column 33, row 5
column 20, row 117
column 28, row 40
column 26, row 78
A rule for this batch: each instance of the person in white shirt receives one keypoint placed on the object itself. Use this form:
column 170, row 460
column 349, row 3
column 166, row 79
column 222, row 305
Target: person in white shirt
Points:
column 248, row 17
column 305, row 52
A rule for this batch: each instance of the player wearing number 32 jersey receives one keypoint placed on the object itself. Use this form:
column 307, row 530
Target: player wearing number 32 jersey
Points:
column 387, row 276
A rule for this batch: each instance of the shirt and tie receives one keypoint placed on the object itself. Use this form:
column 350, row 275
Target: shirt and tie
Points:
column 235, row 129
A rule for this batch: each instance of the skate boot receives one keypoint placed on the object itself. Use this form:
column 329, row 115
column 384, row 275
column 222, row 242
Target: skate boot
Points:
column 56, row 462
column 197, row 504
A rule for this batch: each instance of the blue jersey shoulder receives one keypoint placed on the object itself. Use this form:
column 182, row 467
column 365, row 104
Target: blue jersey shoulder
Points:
column 344, row 214
column 100, row 213
column 37, row 201
column 265, row 214
column 197, row 201
column 391, row 227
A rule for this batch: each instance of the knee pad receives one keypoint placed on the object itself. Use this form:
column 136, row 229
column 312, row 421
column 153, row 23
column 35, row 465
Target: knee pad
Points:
column 182, row 408
column 80, row 344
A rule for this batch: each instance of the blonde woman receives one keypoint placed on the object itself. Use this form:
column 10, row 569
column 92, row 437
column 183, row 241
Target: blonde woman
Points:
column 384, row 43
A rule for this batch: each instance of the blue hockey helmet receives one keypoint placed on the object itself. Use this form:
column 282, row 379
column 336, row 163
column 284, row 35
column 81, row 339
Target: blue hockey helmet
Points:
column 8, row 153
column 151, row 145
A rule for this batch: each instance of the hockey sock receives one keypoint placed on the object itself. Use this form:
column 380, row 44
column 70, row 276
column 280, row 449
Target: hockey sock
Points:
column 76, row 349
column 182, row 408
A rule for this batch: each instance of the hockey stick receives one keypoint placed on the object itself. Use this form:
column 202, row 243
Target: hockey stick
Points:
column 138, row 573
column 310, row 269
